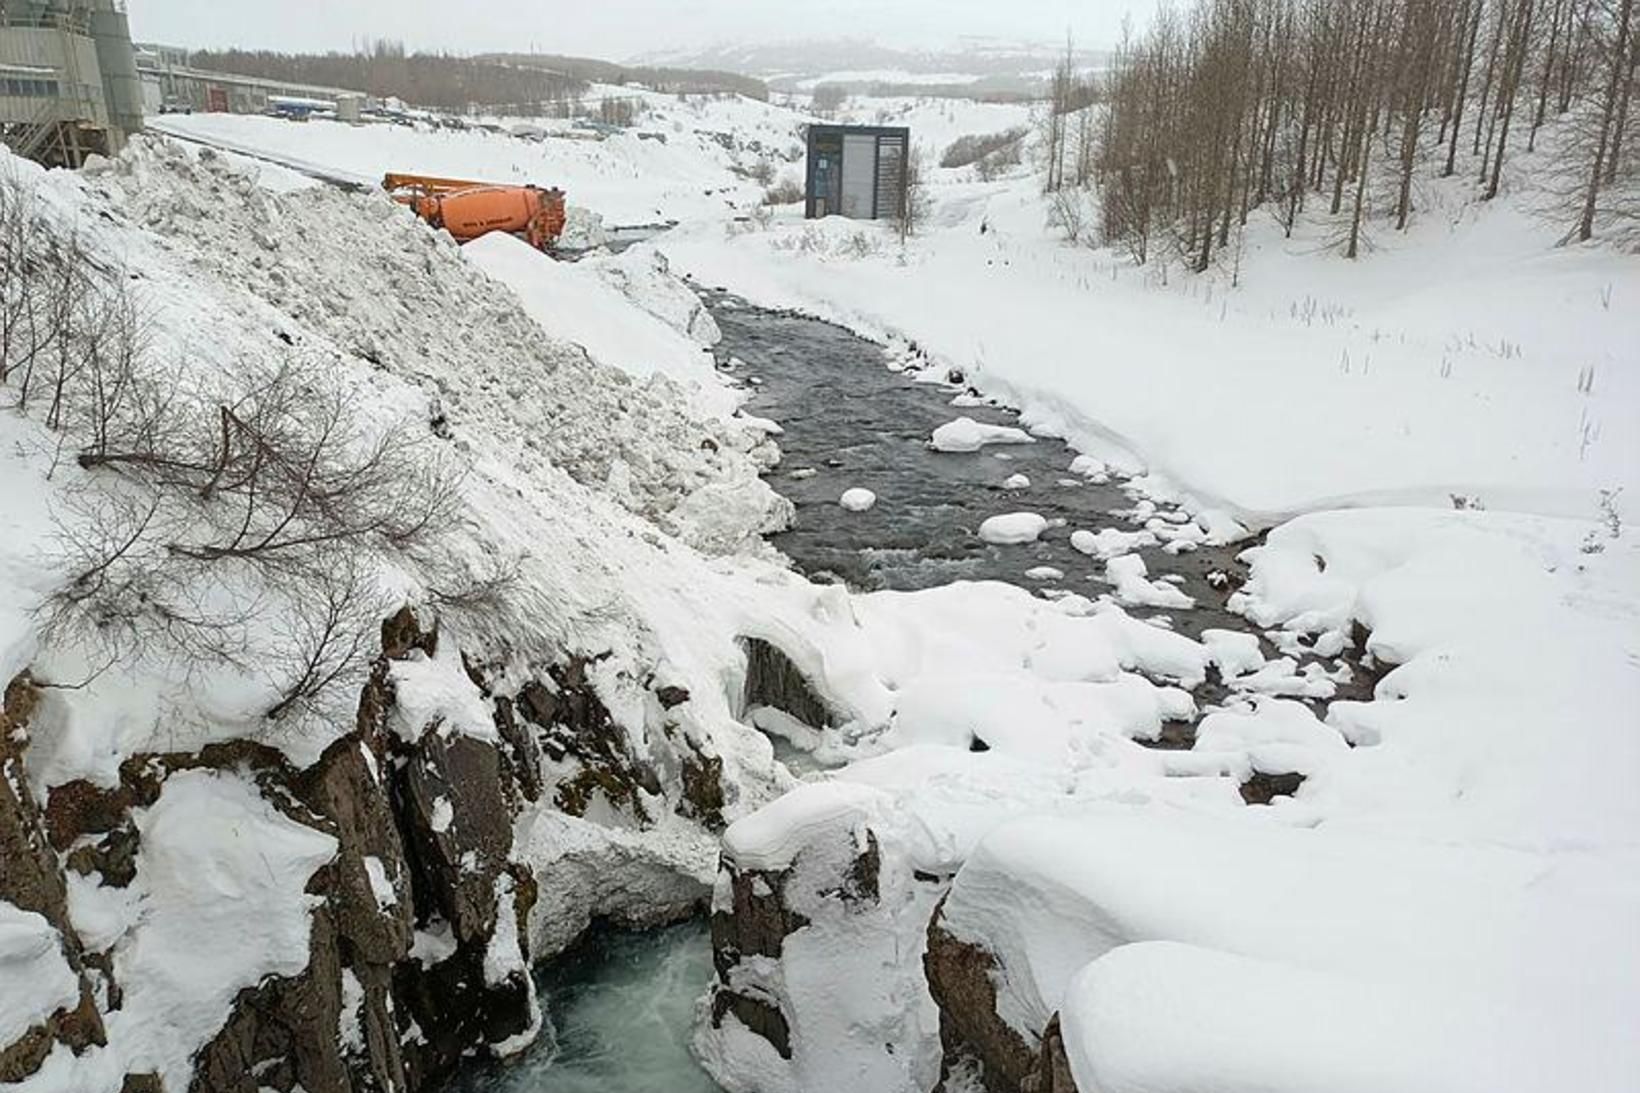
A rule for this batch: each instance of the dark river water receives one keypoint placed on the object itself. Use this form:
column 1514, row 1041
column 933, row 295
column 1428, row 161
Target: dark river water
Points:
column 854, row 422
column 622, row 1006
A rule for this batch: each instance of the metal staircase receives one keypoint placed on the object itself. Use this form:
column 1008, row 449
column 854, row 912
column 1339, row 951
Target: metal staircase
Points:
column 62, row 130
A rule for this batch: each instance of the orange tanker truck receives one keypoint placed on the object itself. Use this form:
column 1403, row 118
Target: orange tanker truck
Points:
column 468, row 210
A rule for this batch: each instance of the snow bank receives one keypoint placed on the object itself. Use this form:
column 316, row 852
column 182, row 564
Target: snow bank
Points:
column 1160, row 1017
column 1467, row 866
column 593, row 304
column 768, row 840
column 435, row 694
column 35, row 979
column 1515, row 640
column 1049, row 897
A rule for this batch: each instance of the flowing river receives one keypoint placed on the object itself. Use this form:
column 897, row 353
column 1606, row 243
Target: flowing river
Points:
column 622, row 1005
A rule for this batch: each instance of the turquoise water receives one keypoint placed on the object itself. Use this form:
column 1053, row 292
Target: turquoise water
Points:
column 620, row 1011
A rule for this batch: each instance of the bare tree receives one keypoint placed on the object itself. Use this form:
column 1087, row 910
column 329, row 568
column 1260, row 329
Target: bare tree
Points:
column 917, row 204
column 1612, row 104
column 1240, row 103
column 828, row 99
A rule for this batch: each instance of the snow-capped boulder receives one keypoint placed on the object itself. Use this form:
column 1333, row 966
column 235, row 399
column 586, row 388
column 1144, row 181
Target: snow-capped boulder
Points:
column 967, row 435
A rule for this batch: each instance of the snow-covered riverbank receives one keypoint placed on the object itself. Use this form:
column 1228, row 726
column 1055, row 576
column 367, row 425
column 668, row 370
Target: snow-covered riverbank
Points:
column 1471, row 829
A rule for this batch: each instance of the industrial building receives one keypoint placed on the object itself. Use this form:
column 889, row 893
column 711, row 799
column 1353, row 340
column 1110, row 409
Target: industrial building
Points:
column 857, row 171
column 69, row 85
column 172, row 84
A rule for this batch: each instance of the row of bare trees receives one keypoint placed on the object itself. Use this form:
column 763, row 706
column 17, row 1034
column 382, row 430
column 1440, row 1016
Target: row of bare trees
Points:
column 1239, row 105
column 434, row 80
column 219, row 520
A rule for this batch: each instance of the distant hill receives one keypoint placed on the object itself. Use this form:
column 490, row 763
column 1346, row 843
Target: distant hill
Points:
column 975, row 67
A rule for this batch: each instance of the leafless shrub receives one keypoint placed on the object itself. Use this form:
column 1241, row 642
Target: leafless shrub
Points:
column 279, row 470
column 620, row 112
column 482, row 591
column 1068, row 213
column 241, row 532
column 829, row 98
column 996, row 164
column 785, row 192
column 326, row 637
column 974, row 147
column 918, row 204
column 233, row 525
column 21, row 271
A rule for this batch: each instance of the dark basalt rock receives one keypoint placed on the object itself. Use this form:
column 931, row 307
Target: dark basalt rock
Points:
column 959, row 978
column 758, row 921
column 524, row 754
column 79, row 808
column 863, row 884
column 1053, row 1069
column 32, row 879
column 1263, row 787
column 703, row 797
column 406, row 1024
column 454, row 870
column 577, row 726
column 113, row 858
column 773, row 680
column 378, row 795
column 760, row 1017
column 672, row 697
column 283, row 1030
column 756, row 924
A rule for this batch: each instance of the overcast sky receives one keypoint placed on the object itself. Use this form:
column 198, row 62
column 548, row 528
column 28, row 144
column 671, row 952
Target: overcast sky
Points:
column 613, row 29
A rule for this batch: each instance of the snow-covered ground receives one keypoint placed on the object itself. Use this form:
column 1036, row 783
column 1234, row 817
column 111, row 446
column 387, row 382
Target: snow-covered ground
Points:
column 1450, row 361
column 676, row 163
column 1453, row 883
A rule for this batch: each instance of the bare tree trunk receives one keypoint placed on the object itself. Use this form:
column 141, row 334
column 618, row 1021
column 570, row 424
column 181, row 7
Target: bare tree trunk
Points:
column 1585, row 226
column 1354, row 247
column 1486, row 84
column 1548, row 75
column 1577, row 37
column 1618, row 128
column 1508, row 92
column 1468, row 62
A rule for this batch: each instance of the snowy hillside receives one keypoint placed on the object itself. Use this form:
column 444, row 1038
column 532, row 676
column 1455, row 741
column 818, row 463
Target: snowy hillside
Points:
column 679, row 162
column 258, row 830
column 1451, row 361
